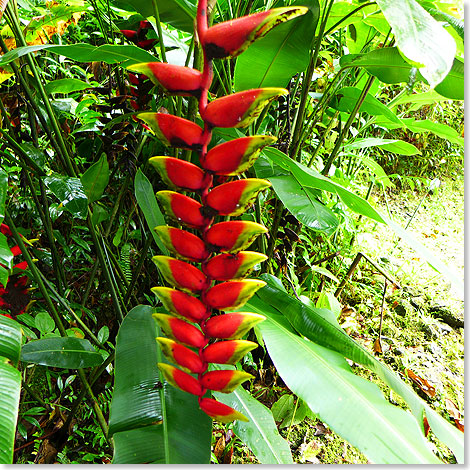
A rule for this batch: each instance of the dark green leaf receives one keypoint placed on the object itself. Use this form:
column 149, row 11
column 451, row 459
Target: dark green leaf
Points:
column 10, row 339
column 147, row 201
column 3, row 192
column 152, row 422
column 66, row 85
column 65, row 353
column 95, row 179
column 44, row 322
column 6, row 256
column 272, row 60
column 36, row 156
column 108, row 53
column 70, row 193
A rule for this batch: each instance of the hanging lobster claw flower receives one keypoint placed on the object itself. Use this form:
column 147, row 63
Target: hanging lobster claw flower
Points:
column 236, row 156
column 175, row 79
column 174, row 131
column 220, row 411
column 225, row 381
column 180, row 330
column 234, row 235
column 227, row 352
column 231, row 38
column 184, row 244
column 180, row 379
column 231, row 325
column 232, row 294
column 235, row 197
column 180, row 173
column 227, row 266
column 181, row 304
column 183, row 275
column 183, row 209
column 240, row 109
column 187, row 359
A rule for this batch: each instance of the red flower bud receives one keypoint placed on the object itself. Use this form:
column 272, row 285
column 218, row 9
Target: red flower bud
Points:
column 220, row 411
column 174, row 79
column 147, row 44
column 180, row 173
column 231, row 325
column 183, row 275
column 236, row 156
column 181, row 355
column 235, row 197
column 184, row 244
column 230, row 38
column 232, row 294
column 183, row 209
column 174, row 131
column 227, row 352
column 129, row 33
column 181, row 304
column 240, row 109
column 180, row 330
column 224, row 381
column 180, row 379
column 227, row 266
column 234, row 235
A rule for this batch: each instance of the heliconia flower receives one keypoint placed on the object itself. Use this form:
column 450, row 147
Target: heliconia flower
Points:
column 224, row 381
column 231, row 325
column 15, row 296
column 240, row 109
column 220, row 411
column 187, row 359
column 174, row 131
column 175, row 79
column 180, row 274
column 181, row 304
column 226, row 266
column 236, row 156
column 184, row 244
column 230, row 38
column 180, row 330
column 235, row 197
column 183, row 209
column 6, row 230
column 234, row 235
column 146, row 44
column 180, row 379
column 232, row 294
column 180, row 173
column 129, row 33
column 227, row 352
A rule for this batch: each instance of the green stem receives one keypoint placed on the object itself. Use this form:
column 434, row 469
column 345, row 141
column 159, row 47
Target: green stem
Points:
column 159, row 29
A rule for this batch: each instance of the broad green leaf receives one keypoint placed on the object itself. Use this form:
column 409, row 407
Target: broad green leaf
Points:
column 69, row 191
column 310, row 323
column 350, row 405
column 346, row 98
column 303, row 205
column 391, row 145
column 66, row 85
column 3, row 192
column 274, row 59
column 6, row 256
column 179, row 13
column 108, row 53
column 10, row 339
column 147, row 201
column 4, row 274
column 441, row 130
column 95, row 179
column 10, row 386
column 36, row 156
column 380, row 175
column 424, row 42
column 44, row 322
column 311, row 179
column 419, row 99
column 338, row 14
column 389, row 67
column 260, row 432
column 65, row 353
column 152, row 422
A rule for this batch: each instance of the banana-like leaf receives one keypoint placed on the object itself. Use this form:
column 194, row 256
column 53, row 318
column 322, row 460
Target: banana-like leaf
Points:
column 10, row 384
column 313, row 325
column 151, row 421
column 260, row 433
column 352, row 406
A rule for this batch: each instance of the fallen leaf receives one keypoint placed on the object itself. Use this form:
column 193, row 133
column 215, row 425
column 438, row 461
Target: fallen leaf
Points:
column 426, row 426
column 219, row 448
column 377, row 346
column 452, row 409
column 423, row 384
column 459, row 425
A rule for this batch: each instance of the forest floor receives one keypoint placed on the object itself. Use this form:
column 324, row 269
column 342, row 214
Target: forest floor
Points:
column 422, row 321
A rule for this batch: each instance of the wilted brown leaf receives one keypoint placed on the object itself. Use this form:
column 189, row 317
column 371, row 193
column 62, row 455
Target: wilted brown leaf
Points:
column 423, row 384
column 377, row 346
column 219, row 448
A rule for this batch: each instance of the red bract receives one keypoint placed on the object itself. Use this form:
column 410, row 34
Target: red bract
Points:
column 197, row 319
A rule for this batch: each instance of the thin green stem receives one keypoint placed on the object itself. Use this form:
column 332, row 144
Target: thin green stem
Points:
column 156, row 13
